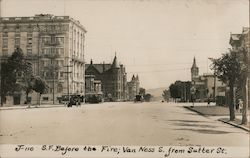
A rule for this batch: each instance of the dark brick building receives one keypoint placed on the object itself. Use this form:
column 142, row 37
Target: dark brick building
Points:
column 113, row 78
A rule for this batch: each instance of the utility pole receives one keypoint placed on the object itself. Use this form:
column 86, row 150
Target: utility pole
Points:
column 68, row 72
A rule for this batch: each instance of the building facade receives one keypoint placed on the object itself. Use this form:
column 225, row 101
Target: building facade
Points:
column 113, row 79
column 206, row 85
column 92, row 88
column 55, row 47
column 133, row 87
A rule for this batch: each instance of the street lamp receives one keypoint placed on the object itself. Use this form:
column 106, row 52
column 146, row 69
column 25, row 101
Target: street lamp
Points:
column 68, row 72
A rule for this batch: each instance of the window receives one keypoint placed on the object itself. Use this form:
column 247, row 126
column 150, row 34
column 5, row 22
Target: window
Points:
column 29, row 41
column 5, row 43
column 61, row 74
column 42, row 63
column 29, row 51
column 29, row 35
column 46, row 63
column 5, row 34
column 17, row 41
column 45, row 51
column 45, row 98
column 59, row 40
column 59, row 51
column 17, row 34
column 59, row 88
column 45, row 40
column 61, row 63
column 5, row 52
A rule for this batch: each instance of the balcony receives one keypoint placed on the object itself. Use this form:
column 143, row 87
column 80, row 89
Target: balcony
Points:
column 53, row 43
column 77, row 59
column 50, row 56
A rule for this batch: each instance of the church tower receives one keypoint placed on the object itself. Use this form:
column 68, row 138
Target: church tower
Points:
column 194, row 70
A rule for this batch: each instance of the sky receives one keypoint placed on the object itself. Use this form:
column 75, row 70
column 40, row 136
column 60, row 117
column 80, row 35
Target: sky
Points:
column 156, row 39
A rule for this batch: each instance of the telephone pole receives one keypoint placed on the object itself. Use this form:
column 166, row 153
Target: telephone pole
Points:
column 68, row 72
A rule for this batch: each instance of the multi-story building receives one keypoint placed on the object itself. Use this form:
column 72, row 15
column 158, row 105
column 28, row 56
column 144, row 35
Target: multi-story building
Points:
column 133, row 87
column 55, row 47
column 113, row 79
column 92, row 87
column 206, row 85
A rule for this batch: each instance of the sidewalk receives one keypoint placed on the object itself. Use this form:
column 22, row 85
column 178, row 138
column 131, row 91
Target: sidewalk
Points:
column 14, row 107
column 223, row 114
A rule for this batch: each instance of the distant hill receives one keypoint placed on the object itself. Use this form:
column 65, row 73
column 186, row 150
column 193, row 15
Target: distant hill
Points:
column 156, row 92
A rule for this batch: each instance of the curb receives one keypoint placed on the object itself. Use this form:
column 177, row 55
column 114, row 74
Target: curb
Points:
column 205, row 115
column 221, row 119
column 32, row 107
column 191, row 109
column 234, row 124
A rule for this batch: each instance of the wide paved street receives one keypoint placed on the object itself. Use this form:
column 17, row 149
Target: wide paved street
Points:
column 124, row 123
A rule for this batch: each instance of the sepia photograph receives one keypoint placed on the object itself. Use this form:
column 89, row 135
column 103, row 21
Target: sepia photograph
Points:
column 124, row 78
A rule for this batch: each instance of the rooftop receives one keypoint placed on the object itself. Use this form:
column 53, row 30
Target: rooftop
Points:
column 40, row 17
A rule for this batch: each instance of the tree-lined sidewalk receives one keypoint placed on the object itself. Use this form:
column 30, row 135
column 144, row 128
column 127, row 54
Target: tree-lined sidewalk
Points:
column 222, row 112
column 17, row 75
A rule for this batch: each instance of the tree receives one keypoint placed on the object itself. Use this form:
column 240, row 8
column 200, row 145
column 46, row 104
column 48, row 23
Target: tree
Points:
column 228, row 70
column 23, row 71
column 40, row 86
column 16, row 73
column 175, row 90
column 142, row 91
column 147, row 97
column 8, row 81
column 243, row 81
column 166, row 95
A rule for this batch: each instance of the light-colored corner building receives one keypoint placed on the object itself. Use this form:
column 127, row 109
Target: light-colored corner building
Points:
column 207, row 85
column 54, row 45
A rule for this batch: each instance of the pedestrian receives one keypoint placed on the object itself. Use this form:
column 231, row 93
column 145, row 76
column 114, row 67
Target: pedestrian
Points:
column 208, row 101
column 240, row 105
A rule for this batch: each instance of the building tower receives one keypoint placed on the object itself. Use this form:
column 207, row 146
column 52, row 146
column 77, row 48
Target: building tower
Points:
column 116, row 79
column 194, row 70
column 137, row 84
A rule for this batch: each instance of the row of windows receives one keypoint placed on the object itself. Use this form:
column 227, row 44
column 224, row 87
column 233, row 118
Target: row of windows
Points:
column 17, row 42
column 53, row 40
column 17, row 34
column 50, row 74
column 49, row 51
column 45, row 63
column 45, row 40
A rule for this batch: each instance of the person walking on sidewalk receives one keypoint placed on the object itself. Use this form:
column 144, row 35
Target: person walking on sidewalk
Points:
column 240, row 105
